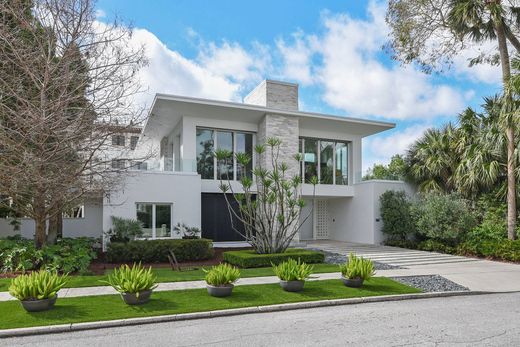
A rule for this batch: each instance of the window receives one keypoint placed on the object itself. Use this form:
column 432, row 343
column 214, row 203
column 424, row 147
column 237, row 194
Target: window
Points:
column 327, row 160
column 205, row 159
column 133, row 142
column 155, row 218
column 139, row 165
column 75, row 212
column 118, row 140
column 235, row 142
column 118, row 163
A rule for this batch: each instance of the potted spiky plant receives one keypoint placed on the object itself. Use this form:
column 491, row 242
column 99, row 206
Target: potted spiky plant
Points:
column 37, row 291
column 135, row 284
column 292, row 274
column 356, row 270
column 220, row 280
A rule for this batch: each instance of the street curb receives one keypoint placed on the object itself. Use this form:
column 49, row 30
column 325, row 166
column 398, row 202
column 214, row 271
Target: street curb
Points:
column 54, row 329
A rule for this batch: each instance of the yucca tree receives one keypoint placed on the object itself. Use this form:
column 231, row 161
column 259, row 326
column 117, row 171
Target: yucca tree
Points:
column 432, row 32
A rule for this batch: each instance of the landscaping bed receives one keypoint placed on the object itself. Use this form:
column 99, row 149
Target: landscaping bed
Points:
column 430, row 283
column 338, row 259
column 109, row 307
column 251, row 259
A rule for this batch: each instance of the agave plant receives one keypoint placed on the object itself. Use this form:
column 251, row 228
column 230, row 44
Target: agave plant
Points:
column 221, row 275
column 38, row 285
column 292, row 270
column 133, row 280
column 357, row 268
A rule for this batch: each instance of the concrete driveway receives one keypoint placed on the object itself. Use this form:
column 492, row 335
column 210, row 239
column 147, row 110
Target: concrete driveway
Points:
column 476, row 274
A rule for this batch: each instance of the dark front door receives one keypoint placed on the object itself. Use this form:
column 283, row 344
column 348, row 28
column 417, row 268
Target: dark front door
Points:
column 215, row 221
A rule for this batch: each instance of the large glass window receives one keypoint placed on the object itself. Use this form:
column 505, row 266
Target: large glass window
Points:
column 341, row 163
column 205, row 158
column 156, row 219
column 244, row 144
column 225, row 167
column 327, row 160
column 310, row 159
column 232, row 141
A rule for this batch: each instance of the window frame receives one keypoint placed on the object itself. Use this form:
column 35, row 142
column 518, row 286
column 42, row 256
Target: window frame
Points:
column 318, row 168
column 132, row 144
column 80, row 207
column 215, row 146
column 154, row 219
column 119, row 136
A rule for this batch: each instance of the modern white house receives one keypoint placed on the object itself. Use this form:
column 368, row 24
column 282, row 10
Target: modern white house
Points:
column 179, row 184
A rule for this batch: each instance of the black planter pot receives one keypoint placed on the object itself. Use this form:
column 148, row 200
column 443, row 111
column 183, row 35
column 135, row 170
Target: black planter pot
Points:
column 292, row 286
column 39, row 305
column 220, row 291
column 133, row 299
column 352, row 282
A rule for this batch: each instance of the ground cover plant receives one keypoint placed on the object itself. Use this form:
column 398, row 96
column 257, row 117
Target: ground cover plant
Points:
column 108, row 307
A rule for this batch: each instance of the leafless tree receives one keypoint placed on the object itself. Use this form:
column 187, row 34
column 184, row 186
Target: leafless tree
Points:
column 67, row 83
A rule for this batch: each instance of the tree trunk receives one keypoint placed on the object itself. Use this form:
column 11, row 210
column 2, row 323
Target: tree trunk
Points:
column 52, row 235
column 511, row 180
column 40, row 235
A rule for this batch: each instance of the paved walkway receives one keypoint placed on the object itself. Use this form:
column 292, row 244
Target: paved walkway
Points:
column 476, row 274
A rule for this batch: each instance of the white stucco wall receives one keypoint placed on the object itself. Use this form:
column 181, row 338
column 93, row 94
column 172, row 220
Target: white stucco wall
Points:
column 89, row 226
column 358, row 219
column 182, row 190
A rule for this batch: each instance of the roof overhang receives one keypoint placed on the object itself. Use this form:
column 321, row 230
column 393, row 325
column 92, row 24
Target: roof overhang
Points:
column 168, row 110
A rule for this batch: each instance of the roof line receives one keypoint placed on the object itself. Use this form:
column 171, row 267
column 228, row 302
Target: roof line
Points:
column 251, row 107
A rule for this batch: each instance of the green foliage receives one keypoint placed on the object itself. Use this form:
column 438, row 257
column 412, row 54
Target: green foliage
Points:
column 357, row 267
column 156, row 251
column 249, row 258
column 394, row 171
column 411, row 244
column 37, row 285
column 133, row 279
column 187, row 231
column 221, row 275
column 435, row 246
column 443, row 217
column 124, row 230
column 395, row 212
column 498, row 249
column 68, row 255
column 292, row 270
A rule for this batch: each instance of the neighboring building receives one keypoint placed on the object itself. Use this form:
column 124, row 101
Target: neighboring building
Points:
column 179, row 183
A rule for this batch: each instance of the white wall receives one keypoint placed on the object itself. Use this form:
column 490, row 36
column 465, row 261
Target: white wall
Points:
column 180, row 189
column 358, row 219
column 89, row 226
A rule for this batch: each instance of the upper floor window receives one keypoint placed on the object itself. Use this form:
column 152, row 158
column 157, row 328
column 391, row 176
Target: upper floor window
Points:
column 327, row 160
column 209, row 140
column 75, row 212
column 133, row 142
column 118, row 140
column 118, row 163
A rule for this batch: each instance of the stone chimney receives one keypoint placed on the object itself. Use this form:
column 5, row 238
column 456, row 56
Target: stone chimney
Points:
column 274, row 94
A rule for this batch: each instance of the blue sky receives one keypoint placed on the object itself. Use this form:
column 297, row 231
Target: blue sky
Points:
column 221, row 49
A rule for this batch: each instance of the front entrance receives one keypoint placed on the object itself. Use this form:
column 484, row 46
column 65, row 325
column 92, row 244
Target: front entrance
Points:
column 215, row 220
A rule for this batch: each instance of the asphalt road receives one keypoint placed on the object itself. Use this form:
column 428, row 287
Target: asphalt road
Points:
column 482, row 320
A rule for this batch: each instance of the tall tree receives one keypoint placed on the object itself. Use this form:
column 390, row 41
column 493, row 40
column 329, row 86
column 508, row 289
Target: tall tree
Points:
column 66, row 86
column 394, row 171
column 432, row 32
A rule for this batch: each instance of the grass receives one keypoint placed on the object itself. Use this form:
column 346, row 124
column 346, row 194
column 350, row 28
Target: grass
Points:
column 167, row 275
column 109, row 307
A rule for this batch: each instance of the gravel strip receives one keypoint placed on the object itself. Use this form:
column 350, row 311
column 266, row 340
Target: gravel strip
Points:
column 336, row 258
column 430, row 283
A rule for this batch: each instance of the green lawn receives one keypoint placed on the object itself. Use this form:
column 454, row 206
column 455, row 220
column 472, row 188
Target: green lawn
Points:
column 107, row 307
column 167, row 275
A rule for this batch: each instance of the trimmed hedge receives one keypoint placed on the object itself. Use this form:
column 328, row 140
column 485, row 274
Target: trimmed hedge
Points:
column 156, row 251
column 503, row 249
column 249, row 258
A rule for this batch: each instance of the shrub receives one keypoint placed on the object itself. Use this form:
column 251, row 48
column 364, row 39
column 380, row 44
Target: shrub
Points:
column 435, row 246
column 249, row 258
column 156, row 251
column 292, row 270
column 402, row 243
column 133, row 279
column 124, row 230
column 444, row 218
column 357, row 267
column 37, row 285
column 395, row 212
column 187, row 231
column 68, row 255
column 502, row 249
column 221, row 275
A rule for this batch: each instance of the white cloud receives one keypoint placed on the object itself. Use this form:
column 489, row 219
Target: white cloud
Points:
column 486, row 73
column 380, row 148
column 297, row 57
